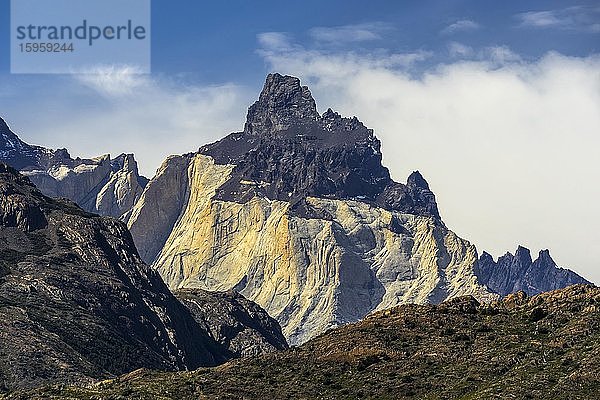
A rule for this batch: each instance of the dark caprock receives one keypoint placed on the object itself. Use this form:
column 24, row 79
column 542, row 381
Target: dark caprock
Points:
column 288, row 151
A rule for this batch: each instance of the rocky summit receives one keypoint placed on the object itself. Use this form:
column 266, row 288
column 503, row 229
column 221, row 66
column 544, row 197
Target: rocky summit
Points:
column 289, row 152
column 77, row 303
column 545, row 347
column 298, row 214
column 100, row 185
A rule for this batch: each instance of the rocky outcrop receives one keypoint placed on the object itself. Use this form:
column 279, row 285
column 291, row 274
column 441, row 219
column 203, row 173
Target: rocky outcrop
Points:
column 101, row 185
column 518, row 272
column 17, row 210
column 237, row 323
column 298, row 215
column 76, row 301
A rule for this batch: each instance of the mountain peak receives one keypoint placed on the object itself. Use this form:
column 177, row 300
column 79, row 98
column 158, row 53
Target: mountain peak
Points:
column 3, row 126
column 545, row 259
column 416, row 179
column 282, row 103
column 295, row 153
column 9, row 142
column 523, row 253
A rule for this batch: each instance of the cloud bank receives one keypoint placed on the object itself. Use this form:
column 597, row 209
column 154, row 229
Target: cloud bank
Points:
column 116, row 110
column 511, row 147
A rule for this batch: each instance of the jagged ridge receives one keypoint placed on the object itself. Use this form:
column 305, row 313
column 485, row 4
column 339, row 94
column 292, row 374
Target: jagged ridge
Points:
column 101, row 185
column 512, row 273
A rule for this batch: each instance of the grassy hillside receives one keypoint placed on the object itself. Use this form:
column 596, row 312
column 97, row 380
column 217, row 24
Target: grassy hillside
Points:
column 542, row 347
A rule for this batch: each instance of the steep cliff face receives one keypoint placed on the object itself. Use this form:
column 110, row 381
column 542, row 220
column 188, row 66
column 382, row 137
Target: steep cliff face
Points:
column 101, row 185
column 182, row 182
column 298, row 214
column 76, row 301
column 237, row 323
column 512, row 273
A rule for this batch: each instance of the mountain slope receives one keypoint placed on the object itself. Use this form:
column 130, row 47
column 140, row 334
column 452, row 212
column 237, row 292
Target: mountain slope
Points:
column 101, row 185
column 235, row 322
column 19, row 154
column 298, row 214
column 76, row 301
column 545, row 347
column 512, row 273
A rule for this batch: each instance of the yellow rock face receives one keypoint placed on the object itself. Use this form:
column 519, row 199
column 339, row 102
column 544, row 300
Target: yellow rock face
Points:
column 310, row 274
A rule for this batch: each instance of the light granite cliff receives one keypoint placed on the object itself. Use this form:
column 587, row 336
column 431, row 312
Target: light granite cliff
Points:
column 181, row 182
column 298, row 214
column 100, row 185
column 313, row 274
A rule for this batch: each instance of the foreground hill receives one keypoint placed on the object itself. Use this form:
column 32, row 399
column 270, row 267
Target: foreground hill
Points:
column 77, row 303
column 541, row 347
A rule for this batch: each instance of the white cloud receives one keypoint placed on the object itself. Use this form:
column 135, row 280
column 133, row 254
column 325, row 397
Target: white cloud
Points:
column 540, row 19
column 511, row 147
column 111, row 80
column 576, row 18
column 499, row 55
column 118, row 110
column 274, row 40
column 459, row 50
column 326, row 61
column 463, row 25
column 350, row 33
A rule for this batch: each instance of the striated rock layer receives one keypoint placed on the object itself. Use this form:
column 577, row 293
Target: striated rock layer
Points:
column 298, row 214
column 101, row 185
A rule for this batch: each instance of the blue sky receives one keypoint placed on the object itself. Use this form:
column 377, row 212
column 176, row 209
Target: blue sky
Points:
column 213, row 41
column 497, row 103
